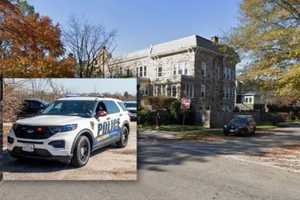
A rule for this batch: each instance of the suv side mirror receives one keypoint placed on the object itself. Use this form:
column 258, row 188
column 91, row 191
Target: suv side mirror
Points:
column 101, row 114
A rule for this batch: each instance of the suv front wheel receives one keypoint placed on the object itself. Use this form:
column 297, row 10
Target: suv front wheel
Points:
column 81, row 152
column 124, row 138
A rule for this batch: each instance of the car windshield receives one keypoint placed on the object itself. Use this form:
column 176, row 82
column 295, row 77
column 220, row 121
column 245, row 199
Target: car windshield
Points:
column 239, row 120
column 71, row 108
column 130, row 105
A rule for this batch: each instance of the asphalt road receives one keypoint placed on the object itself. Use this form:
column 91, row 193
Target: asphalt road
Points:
column 105, row 164
column 170, row 169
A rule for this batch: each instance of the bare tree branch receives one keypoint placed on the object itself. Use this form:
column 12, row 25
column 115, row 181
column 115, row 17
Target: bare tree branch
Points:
column 85, row 41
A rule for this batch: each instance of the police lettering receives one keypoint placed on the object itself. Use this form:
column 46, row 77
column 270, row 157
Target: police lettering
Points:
column 108, row 126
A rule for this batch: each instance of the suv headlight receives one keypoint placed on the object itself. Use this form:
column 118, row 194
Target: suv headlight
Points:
column 65, row 128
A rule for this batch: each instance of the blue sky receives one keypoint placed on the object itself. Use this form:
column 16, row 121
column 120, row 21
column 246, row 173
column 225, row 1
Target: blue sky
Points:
column 89, row 85
column 140, row 23
column 99, row 85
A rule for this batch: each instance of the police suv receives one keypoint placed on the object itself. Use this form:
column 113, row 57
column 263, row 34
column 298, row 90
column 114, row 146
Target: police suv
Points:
column 69, row 129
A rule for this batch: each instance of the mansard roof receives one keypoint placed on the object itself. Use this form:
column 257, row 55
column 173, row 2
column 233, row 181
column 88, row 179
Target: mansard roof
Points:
column 181, row 44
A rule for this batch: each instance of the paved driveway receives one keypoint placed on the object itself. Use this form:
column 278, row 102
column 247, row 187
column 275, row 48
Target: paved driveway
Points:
column 105, row 164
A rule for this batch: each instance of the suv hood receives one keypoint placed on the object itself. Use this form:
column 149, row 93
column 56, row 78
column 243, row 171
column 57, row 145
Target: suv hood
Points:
column 50, row 120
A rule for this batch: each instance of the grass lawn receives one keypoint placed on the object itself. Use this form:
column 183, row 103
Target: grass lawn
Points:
column 196, row 132
column 192, row 132
column 265, row 125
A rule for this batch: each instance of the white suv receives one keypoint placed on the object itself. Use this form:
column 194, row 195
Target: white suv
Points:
column 69, row 129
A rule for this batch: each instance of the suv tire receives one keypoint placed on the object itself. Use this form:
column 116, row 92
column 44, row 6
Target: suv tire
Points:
column 253, row 132
column 124, row 138
column 81, row 152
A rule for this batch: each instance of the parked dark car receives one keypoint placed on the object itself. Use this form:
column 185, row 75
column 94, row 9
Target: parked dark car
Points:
column 32, row 107
column 240, row 124
column 131, row 106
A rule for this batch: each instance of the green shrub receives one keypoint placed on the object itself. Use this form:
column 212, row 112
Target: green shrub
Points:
column 175, row 111
column 146, row 117
column 169, row 115
column 158, row 103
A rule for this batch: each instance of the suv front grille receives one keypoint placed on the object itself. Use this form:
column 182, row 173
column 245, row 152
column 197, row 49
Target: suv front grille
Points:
column 32, row 132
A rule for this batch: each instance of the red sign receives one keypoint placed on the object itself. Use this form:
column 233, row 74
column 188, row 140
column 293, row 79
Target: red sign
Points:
column 185, row 103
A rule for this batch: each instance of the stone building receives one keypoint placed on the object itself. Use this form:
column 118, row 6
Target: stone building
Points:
column 191, row 67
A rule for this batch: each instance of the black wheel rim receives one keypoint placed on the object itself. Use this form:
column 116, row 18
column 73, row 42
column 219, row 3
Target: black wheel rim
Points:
column 84, row 151
column 125, row 137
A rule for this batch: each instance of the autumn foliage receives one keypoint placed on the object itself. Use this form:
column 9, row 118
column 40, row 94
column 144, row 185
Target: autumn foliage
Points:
column 30, row 45
column 269, row 35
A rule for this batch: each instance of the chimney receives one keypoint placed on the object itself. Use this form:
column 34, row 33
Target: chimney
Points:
column 215, row 39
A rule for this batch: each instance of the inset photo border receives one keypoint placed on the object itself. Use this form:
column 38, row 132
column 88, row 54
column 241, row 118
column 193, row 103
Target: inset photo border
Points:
column 69, row 129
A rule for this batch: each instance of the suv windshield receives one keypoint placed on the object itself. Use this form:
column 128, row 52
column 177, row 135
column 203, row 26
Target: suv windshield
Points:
column 71, row 108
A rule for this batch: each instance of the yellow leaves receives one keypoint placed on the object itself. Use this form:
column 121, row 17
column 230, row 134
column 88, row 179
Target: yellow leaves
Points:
column 270, row 34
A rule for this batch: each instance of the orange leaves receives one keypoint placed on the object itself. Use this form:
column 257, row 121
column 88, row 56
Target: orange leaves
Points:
column 30, row 45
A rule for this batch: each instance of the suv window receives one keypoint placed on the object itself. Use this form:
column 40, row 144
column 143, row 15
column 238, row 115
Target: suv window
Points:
column 111, row 107
column 121, row 104
column 101, row 107
column 34, row 105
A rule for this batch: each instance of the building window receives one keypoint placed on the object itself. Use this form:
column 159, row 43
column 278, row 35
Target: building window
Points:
column 162, row 90
column 203, row 69
column 225, row 72
column 187, row 90
column 228, row 73
column 202, row 90
column 141, row 71
column 158, row 90
column 228, row 93
column 145, row 71
column 174, row 69
column 128, row 72
column 169, row 90
column 191, row 90
column 180, row 67
column 159, row 71
column 185, row 70
column 174, row 91
column 250, row 99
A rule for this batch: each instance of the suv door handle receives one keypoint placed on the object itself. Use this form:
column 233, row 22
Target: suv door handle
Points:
column 121, row 115
column 108, row 118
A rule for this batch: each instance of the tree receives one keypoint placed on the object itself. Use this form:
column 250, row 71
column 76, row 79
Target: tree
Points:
column 30, row 45
column 269, row 38
column 126, row 95
column 232, row 57
column 85, row 42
